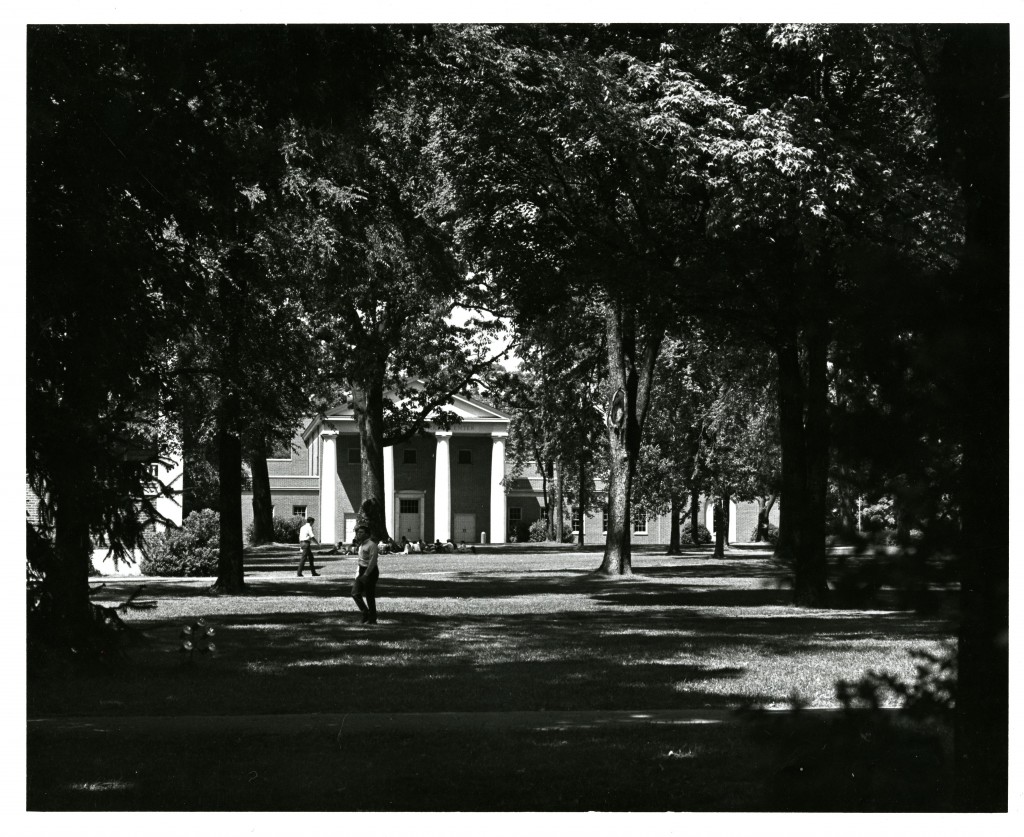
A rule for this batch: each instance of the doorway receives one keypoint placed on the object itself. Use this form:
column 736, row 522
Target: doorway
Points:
column 465, row 528
column 410, row 518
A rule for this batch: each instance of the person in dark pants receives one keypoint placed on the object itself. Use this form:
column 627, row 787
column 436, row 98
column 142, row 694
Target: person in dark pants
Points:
column 306, row 538
column 365, row 583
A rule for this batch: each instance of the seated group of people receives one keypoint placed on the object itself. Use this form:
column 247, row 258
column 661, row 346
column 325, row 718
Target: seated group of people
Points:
column 408, row 547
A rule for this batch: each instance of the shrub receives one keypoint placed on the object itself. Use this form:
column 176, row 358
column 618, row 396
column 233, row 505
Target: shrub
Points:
column 286, row 529
column 703, row 535
column 771, row 534
column 538, row 531
column 189, row 551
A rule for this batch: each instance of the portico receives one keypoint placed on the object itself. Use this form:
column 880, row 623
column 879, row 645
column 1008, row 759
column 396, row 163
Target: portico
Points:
column 445, row 483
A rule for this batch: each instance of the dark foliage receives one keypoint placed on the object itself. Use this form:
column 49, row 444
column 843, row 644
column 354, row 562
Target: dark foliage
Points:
column 770, row 533
column 188, row 551
column 931, row 695
column 686, row 536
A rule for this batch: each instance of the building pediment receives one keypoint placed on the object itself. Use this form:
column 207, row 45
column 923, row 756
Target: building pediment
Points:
column 476, row 415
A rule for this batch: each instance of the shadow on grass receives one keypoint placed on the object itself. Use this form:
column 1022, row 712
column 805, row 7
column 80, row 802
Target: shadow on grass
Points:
column 649, row 655
column 529, row 634
column 759, row 764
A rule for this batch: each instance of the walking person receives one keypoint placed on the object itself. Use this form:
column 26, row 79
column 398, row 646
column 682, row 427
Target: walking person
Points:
column 306, row 538
column 365, row 583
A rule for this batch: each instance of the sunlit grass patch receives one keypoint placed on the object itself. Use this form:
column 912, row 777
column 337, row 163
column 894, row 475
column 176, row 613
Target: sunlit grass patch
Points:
column 111, row 785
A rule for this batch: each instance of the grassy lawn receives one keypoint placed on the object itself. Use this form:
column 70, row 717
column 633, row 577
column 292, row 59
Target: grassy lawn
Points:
column 518, row 630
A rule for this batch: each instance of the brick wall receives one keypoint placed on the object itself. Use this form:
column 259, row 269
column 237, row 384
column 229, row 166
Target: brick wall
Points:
column 296, row 465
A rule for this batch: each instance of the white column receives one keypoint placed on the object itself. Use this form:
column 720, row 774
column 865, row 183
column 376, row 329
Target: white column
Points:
column 389, row 489
column 174, row 477
column 442, row 488
column 328, row 490
column 497, row 533
column 732, row 521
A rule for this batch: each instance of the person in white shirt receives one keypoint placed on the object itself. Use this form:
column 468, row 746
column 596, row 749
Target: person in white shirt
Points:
column 306, row 539
column 365, row 583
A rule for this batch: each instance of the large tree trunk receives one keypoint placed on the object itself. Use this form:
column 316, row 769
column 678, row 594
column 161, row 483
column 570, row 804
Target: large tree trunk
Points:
column 695, row 514
column 67, row 579
column 973, row 96
column 674, row 546
column 631, row 359
column 583, row 502
column 230, row 571
column 791, row 422
column 368, row 402
column 811, row 579
column 262, row 501
column 617, row 553
column 764, row 509
column 542, row 467
column 721, row 525
column 559, row 522
column 804, row 468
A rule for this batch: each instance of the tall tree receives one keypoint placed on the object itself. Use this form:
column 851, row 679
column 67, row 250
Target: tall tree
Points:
column 253, row 340
column 829, row 166
column 99, row 306
column 391, row 290
column 258, row 110
column 972, row 86
column 676, row 440
column 575, row 156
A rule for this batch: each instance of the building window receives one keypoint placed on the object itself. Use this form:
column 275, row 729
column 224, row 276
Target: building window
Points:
column 577, row 524
column 639, row 522
column 353, row 456
column 465, row 457
column 515, row 514
column 298, row 511
column 604, row 520
column 408, row 506
column 409, row 456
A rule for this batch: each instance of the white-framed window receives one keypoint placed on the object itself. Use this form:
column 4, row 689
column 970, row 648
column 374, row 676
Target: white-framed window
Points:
column 465, row 457
column 515, row 514
column 406, row 506
column 299, row 511
column 577, row 523
column 353, row 456
column 409, row 456
column 639, row 522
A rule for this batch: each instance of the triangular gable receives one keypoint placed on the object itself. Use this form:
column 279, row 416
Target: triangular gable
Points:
column 468, row 409
column 472, row 408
